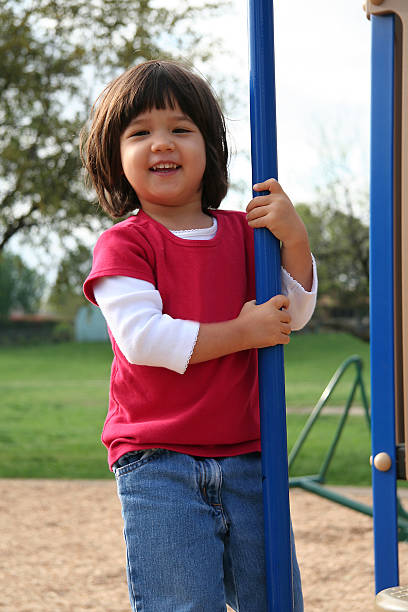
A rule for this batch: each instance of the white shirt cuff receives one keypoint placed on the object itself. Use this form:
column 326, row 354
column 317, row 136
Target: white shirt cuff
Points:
column 301, row 302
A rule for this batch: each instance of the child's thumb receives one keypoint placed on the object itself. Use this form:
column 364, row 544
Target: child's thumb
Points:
column 280, row 301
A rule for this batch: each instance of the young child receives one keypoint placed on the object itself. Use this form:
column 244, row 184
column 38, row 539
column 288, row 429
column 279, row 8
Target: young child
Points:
column 175, row 283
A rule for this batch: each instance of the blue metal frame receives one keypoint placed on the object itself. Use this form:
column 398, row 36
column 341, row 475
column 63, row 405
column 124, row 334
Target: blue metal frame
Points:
column 267, row 264
column 382, row 299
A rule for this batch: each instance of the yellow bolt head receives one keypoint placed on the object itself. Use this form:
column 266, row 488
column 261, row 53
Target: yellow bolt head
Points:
column 382, row 462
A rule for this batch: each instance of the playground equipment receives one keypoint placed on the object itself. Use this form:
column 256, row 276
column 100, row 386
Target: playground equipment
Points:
column 267, row 267
column 395, row 598
column 388, row 287
column 315, row 483
column 389, row 284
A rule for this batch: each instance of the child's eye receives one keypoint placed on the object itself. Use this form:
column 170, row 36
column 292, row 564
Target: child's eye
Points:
column 181, row 130
column 133, row 133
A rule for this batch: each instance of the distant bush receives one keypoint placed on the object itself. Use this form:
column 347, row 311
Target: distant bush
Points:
column 27, row 332
column 63, row 332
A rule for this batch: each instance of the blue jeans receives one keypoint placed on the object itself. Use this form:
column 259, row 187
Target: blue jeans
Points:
column 194, row 533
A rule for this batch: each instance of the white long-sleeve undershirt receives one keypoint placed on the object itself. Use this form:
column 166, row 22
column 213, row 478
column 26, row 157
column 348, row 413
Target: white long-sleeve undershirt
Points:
column 133, row 310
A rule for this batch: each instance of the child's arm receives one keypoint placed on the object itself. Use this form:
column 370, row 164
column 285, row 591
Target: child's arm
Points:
column 133, row 311
column 276, row 212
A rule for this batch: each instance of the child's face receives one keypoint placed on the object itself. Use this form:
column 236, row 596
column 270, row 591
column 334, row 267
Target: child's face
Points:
column 163, row 158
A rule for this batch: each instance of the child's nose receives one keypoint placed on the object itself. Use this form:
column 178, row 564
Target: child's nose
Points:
column 163, row 144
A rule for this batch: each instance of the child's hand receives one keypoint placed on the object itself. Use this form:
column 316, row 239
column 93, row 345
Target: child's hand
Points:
column 265, row 324
column 256, row 326
column 276, row 212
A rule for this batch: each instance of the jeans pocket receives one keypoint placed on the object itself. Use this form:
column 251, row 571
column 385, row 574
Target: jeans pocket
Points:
column 132, row 460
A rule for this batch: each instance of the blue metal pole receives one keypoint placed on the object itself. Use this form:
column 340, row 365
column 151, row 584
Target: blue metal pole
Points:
column 382, row 299
column 267, row 270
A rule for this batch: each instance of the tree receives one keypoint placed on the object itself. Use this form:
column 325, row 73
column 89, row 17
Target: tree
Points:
column 66, row 294
column 52, row 50
column 338, row 225
column 340, row 243
column 346, row 205
column 21, row 288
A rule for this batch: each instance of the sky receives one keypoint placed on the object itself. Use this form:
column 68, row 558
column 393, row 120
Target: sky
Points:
column 322, row 63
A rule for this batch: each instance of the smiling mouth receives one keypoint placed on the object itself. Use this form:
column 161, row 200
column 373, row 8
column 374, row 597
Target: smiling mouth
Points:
column 164, row 168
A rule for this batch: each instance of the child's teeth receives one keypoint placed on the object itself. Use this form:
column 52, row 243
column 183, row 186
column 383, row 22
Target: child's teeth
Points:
column 164, row 166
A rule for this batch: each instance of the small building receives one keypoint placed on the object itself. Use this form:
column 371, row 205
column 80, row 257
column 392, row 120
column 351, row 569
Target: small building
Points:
column 28, row 328
column 90, row 325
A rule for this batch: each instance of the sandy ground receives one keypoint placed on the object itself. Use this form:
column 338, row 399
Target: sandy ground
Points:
column 61, row 549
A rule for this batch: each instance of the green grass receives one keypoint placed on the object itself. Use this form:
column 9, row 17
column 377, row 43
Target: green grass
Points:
column 54, row 401
column 312, row 359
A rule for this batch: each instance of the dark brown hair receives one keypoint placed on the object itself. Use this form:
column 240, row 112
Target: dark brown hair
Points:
column 154, row 84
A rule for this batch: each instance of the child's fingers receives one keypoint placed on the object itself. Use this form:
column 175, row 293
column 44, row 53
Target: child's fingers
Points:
column 281, row 301
column 257, row 209
column 258, row 203
column 270, row 184
column 286, row 328
column 284, row 339
column 266, row 219
column 285, row 317
column 262, row 201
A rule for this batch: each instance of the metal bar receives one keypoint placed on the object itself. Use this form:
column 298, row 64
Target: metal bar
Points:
column 267, row 270
column 337, row 435
column 324, row 398
column 313, row 487
column 311, row 484
column 401, row 510
column 364, row 397
column 382, row 302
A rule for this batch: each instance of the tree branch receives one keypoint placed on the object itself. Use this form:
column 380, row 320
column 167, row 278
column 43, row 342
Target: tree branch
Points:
column 17, row 225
